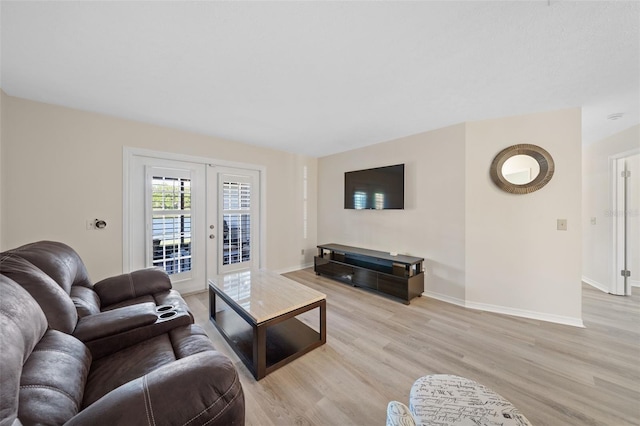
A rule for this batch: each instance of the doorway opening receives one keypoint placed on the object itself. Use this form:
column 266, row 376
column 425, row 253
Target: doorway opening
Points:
column 625, row 214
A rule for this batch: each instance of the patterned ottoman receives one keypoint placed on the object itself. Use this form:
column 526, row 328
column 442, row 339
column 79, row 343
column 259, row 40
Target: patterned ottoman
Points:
column 446, row 400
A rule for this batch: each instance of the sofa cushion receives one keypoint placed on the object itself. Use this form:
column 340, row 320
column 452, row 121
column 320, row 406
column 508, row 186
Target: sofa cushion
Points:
column 18, row 337
column 131, row 285
column 189, row 340
column 53, row 380
column 200, row 390
column 55, row 302
column 57, row 260
column 142, row 299
column 135, row 361
column 86, row 301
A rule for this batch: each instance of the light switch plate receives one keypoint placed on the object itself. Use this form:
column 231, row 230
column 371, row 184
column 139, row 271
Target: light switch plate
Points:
column 562, row 224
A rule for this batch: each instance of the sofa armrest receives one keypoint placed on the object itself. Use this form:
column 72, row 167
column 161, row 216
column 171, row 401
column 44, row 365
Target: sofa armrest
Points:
column 115, row 321
column 135, row 284
column 209, row 379
column 399, row 414
column 110, row 344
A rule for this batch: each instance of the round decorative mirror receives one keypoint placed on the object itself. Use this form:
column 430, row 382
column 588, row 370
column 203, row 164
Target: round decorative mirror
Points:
column 521, row 169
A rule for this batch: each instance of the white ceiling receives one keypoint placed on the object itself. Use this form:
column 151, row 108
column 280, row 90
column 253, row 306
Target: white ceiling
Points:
column 318, row 78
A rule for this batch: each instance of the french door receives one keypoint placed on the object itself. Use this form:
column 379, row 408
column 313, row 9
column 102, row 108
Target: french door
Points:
column 233, row 199
column 167, row 202
column 190, row 218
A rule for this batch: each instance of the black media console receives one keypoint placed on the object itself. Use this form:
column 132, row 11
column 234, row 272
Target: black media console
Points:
column 398, row 276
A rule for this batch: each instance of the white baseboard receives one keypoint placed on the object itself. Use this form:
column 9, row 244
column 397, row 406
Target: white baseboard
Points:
column 444, row 298
column 558, row 319
column 541, row 316
column 635, row 283
column 293, row 268
column 596, row 284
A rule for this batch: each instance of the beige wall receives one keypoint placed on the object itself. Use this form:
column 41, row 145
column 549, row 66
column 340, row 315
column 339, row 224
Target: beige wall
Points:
column 63, row 166
column 516, row 259
column 484, row 248
column 432, row 223
column 598, row 238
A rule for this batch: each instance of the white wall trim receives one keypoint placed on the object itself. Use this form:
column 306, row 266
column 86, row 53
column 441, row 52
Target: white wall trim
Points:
column 444, row 298
column 129, row 152
column 575, row 322
column 164, row 155
column 635, row 283
column 559, row 319
column 293, row 268
column 595, row 284
column 126, row 225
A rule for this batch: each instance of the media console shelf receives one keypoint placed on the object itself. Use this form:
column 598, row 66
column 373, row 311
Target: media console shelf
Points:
column 398, row 276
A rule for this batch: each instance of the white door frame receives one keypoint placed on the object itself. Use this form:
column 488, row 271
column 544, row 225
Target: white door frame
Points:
column 618, row 231
column 127, row 157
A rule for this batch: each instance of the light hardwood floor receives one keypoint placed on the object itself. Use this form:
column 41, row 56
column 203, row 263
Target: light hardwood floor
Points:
column 377, row 347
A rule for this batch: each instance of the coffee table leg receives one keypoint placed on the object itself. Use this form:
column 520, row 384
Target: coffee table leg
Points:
column 323, row 321
column 260, row 351
column 212, row 305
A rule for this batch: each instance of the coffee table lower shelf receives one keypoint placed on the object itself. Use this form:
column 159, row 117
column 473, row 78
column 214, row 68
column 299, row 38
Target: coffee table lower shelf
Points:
column 267, row 346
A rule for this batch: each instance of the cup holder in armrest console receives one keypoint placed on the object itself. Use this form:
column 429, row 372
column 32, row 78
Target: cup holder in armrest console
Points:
column 166, row 312
column 167, row 315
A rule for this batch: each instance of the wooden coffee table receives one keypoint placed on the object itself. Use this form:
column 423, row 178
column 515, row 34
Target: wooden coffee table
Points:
column 256, row 310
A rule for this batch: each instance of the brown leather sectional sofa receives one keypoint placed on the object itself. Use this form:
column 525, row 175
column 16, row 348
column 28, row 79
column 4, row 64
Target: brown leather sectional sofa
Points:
column 123, row 351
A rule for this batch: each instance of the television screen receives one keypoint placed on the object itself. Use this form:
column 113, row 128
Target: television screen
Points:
column 379, row 188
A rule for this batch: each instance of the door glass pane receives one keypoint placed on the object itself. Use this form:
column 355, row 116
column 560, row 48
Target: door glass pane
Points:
column 237, row 238
column 237, row 196
column 171, row 223
column 236, row 247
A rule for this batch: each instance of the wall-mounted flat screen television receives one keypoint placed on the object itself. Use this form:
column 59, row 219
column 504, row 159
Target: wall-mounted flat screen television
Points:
column 380, row 188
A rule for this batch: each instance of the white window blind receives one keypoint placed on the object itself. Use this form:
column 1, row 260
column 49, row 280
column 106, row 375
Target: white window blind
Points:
column 236, row 221
column 171, row 223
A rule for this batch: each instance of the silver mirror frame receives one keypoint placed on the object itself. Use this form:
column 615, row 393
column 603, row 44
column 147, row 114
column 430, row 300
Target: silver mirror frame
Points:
column 544, row 159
